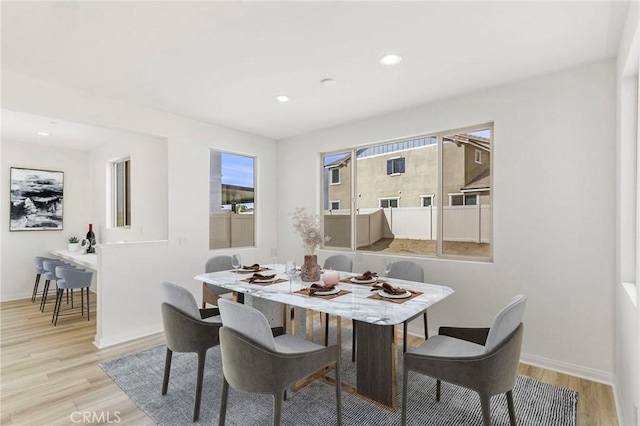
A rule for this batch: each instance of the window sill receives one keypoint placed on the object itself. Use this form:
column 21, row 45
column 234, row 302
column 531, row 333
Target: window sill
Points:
column 632, row 292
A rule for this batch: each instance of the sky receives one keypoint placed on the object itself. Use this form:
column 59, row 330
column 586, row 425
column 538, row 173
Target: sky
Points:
column 237, row 170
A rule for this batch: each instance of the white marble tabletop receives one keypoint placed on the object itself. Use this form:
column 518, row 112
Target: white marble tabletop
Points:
column 356, row 304
column 79, row 257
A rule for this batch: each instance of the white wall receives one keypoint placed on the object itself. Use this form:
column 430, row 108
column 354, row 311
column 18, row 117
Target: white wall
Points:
column 627, row 314
column 187, row 188
column 149, row 214
column 554, row 165
column 20, row 247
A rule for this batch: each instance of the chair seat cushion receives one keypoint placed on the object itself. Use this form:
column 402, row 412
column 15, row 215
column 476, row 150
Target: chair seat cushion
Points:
column 287, row 343
column 445, row 346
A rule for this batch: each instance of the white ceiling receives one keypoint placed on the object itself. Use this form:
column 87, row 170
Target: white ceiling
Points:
column 224, row 62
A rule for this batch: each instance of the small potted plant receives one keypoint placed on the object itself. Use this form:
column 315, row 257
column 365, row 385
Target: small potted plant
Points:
column 74, row 244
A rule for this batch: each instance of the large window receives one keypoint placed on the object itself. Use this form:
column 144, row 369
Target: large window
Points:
column 121, row 193
column 449, row 172
column 231, row 200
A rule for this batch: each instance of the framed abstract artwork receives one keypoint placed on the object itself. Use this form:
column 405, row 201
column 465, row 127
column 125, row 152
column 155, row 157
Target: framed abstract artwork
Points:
column 36, row 200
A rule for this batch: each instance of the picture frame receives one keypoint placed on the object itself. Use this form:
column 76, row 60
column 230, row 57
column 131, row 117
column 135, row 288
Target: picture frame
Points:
column 36, row 199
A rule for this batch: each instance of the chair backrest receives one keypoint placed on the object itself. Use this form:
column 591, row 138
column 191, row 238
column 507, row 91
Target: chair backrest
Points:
column 506, row 321
column 180, row 298
column 406, row 270
column 218, row 263
column 248, row 321
column 73, row 278
column 339, row 262
column 50, row 266
column 38, row 260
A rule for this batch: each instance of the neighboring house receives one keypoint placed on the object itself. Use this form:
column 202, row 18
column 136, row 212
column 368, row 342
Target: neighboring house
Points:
column 403, row 174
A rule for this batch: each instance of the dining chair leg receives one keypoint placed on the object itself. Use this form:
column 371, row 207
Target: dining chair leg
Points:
column 426, row 326
column 404, row 336
column 326, row 329
column 36, row 284
column 196, row 409
column 81, row 301
column 438, row 388
column 88, row 305
column 277, row 408
column 167, row 371
column 223, row 401
column 45, row 290
column 486, row 409
column 56, row 308
column 512, row 411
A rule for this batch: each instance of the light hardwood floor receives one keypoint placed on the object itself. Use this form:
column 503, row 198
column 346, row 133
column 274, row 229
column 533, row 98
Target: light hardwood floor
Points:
column 50, row 375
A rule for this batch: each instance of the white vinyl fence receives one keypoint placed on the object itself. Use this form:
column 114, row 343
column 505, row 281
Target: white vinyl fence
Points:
column 461, row 223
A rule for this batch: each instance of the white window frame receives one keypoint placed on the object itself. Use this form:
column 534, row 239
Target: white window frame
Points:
column 423, row 197
column 334, row 201
column 380, row 200
column 478, row 156
column 331, row 182
column 464, row 198
column 113, row 202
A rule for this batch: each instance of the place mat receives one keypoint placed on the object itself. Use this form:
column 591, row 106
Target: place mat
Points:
column 305, row 292
column 414, row 294
column 279, row 280
column 348, row 281
column 239, row 271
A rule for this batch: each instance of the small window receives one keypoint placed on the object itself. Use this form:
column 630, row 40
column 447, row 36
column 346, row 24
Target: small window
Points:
column 334, row 175
column 389, row 202
column 463, row 200
column 395, row 166
column 426, row 200
column 335, row 205
column 121, row 195
column 478, row 156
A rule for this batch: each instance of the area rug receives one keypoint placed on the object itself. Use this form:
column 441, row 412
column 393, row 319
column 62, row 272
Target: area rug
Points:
column 140, row 374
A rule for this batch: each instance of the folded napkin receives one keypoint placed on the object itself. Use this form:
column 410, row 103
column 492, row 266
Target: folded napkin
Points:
column 366, row 275
column 254, row 267
column 260, row 277
column 317, row 287
column 388, row 288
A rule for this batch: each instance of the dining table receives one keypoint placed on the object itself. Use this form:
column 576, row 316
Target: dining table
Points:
column 375, row 312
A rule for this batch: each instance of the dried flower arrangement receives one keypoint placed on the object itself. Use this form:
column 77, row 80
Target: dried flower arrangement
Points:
column 309, row 228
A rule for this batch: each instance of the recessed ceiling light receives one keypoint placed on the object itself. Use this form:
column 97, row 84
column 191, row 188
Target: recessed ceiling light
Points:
column 390, row 59
column 43, row 133
column 282, row 98
column 328, row 82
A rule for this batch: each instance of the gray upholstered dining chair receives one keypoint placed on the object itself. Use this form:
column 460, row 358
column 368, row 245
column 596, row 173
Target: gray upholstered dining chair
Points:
column 70, row 279
column 211, row 293
column 410, row 271
column 38, row 260
column 338, row 262
column 276, row 362
column 49, row 266
column 484, row 360
column 187, row 329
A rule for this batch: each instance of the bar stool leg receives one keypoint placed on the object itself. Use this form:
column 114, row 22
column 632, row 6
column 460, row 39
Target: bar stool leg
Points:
column 45, row 291
column 35, row 288
column 88, row 305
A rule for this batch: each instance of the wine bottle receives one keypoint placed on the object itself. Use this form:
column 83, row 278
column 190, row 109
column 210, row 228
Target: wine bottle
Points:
column 91, row 239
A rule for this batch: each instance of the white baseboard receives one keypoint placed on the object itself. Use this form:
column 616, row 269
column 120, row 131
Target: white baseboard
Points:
column 126, row 337
column 568, row 368
column 12, row 297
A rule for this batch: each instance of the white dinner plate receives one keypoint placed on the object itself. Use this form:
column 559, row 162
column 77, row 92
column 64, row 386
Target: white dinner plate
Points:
column 394, row 296
column 369, row 281
column 247, row 270
column 327, row 292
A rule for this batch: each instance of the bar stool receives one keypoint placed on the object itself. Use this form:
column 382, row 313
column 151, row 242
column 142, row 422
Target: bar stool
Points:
column 70, row 279
column 49, row 267
column 39, row 271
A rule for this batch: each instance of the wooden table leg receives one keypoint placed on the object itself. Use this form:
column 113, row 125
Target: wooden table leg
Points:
column 377, row 363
